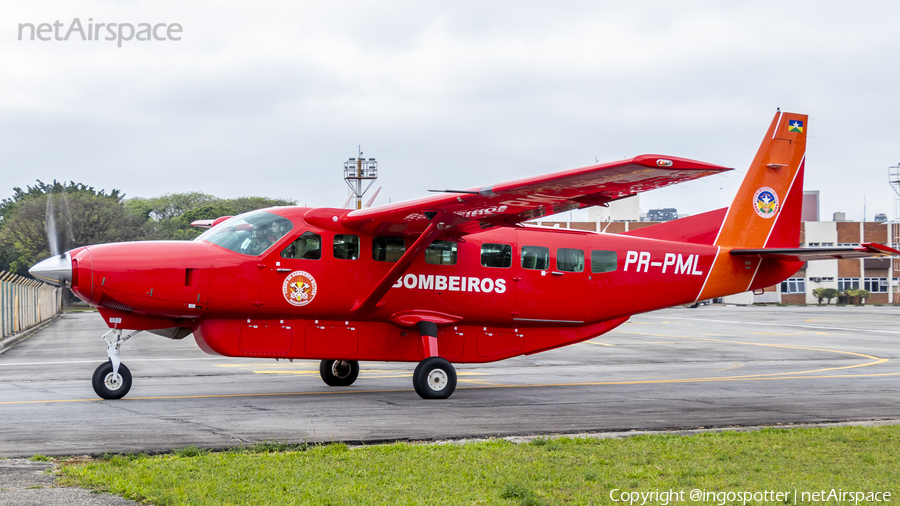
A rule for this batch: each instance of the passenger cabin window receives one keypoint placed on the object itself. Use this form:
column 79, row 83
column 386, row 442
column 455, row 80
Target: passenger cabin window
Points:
column 250, row 234
column 535, row 257
column 570, row 260
column 307, row 247
column 388, row 249
column 603, row 261
column 441, row 253
column 496, row 255
column 346, row 247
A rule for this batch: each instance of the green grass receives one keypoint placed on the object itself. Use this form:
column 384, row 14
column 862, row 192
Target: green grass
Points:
column 547, row 471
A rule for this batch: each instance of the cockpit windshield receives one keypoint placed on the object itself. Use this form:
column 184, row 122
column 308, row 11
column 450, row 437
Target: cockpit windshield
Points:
column 249, row 234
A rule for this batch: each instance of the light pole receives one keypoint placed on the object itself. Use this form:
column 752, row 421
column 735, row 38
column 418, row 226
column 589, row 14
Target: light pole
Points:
column 357, row 170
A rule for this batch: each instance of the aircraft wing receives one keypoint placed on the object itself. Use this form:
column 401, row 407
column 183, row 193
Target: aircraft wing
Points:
column 864, row 250
column 461, row 212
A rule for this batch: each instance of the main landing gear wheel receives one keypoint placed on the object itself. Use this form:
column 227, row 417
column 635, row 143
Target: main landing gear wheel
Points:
column 339, row 373
column 110, row 385
column 434, row 378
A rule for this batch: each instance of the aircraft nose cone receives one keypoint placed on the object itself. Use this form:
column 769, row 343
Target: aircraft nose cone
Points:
column 54, row 270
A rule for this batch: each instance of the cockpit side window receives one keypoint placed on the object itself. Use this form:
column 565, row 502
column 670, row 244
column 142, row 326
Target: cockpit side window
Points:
column 307, row 247
column 346, row 247
column 250, row 234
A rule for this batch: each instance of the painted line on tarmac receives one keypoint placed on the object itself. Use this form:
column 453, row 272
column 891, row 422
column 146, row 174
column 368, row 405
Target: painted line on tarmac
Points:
column 524, row 385
column 875, row 360
column 772, row 324
column 691, row 380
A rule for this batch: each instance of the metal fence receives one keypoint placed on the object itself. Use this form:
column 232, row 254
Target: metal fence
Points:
column 25, row 302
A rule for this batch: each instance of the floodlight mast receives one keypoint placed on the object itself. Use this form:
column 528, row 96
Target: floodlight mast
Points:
column 357, row 170
column 894, row 180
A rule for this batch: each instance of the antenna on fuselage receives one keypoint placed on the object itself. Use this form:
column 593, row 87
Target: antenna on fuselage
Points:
column 357, row 170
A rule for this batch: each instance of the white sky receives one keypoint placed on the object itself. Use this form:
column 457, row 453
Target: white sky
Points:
column 270, row 98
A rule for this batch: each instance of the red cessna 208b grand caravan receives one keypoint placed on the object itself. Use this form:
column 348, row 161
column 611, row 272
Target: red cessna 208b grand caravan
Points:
column 454, row 277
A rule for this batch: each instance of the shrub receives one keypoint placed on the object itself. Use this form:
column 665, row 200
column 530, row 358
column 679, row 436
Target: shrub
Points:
column 825, row 293
column 860, row 295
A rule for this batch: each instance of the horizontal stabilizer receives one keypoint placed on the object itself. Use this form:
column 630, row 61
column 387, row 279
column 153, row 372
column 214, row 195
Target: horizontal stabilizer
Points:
column 865, row 250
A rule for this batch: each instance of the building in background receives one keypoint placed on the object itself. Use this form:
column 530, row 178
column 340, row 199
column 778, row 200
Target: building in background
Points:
column 810, row 209
column 619, row 210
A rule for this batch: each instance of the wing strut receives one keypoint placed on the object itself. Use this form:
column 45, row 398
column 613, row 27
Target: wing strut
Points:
column 371, row 301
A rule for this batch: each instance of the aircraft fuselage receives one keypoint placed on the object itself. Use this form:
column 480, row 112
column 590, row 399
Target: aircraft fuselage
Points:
column 496, row 294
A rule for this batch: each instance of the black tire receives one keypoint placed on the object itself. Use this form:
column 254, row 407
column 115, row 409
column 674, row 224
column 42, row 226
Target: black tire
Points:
column 108, row 387
column 339, row 373
column 434, row 378
column 416, row 375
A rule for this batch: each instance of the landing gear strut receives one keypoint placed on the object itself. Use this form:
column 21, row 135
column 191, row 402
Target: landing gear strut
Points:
column 112, row 380
column 339, row 373
column 434, row 377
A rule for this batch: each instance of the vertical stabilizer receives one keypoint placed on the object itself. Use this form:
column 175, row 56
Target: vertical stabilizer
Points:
column 766, row 209
column 765, row 212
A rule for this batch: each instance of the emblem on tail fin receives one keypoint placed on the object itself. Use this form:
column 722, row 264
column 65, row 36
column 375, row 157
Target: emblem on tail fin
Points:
column 765, row 202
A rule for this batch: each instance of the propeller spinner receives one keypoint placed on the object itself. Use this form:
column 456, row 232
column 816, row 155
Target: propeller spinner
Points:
column 56, row 270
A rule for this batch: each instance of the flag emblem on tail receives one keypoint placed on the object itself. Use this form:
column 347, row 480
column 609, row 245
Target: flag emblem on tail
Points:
column 795, row 125
column 765, row 202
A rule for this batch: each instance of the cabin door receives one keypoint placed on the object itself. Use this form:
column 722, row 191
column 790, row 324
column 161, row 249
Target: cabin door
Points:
column 551, row 284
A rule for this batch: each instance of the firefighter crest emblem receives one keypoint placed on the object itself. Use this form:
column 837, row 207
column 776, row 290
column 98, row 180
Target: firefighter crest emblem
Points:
column 299, row 288
column 765, row 202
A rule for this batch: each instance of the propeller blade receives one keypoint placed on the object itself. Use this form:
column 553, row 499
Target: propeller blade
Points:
column 50, row 226
column 369, row 203
column 344, row 206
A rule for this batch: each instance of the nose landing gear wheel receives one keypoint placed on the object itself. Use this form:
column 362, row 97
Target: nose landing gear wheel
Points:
column 109, row 385
column 339, row 373
column 434, row 378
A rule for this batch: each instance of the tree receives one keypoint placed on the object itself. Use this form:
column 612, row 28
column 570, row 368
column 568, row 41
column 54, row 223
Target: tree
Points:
column 56, row 217
column 169, row 216
column 208, row 212
column 246, row 204
column 79, row 215
column 170, row 205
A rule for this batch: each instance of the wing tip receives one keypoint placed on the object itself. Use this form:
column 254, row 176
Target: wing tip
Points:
column 676, row 163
